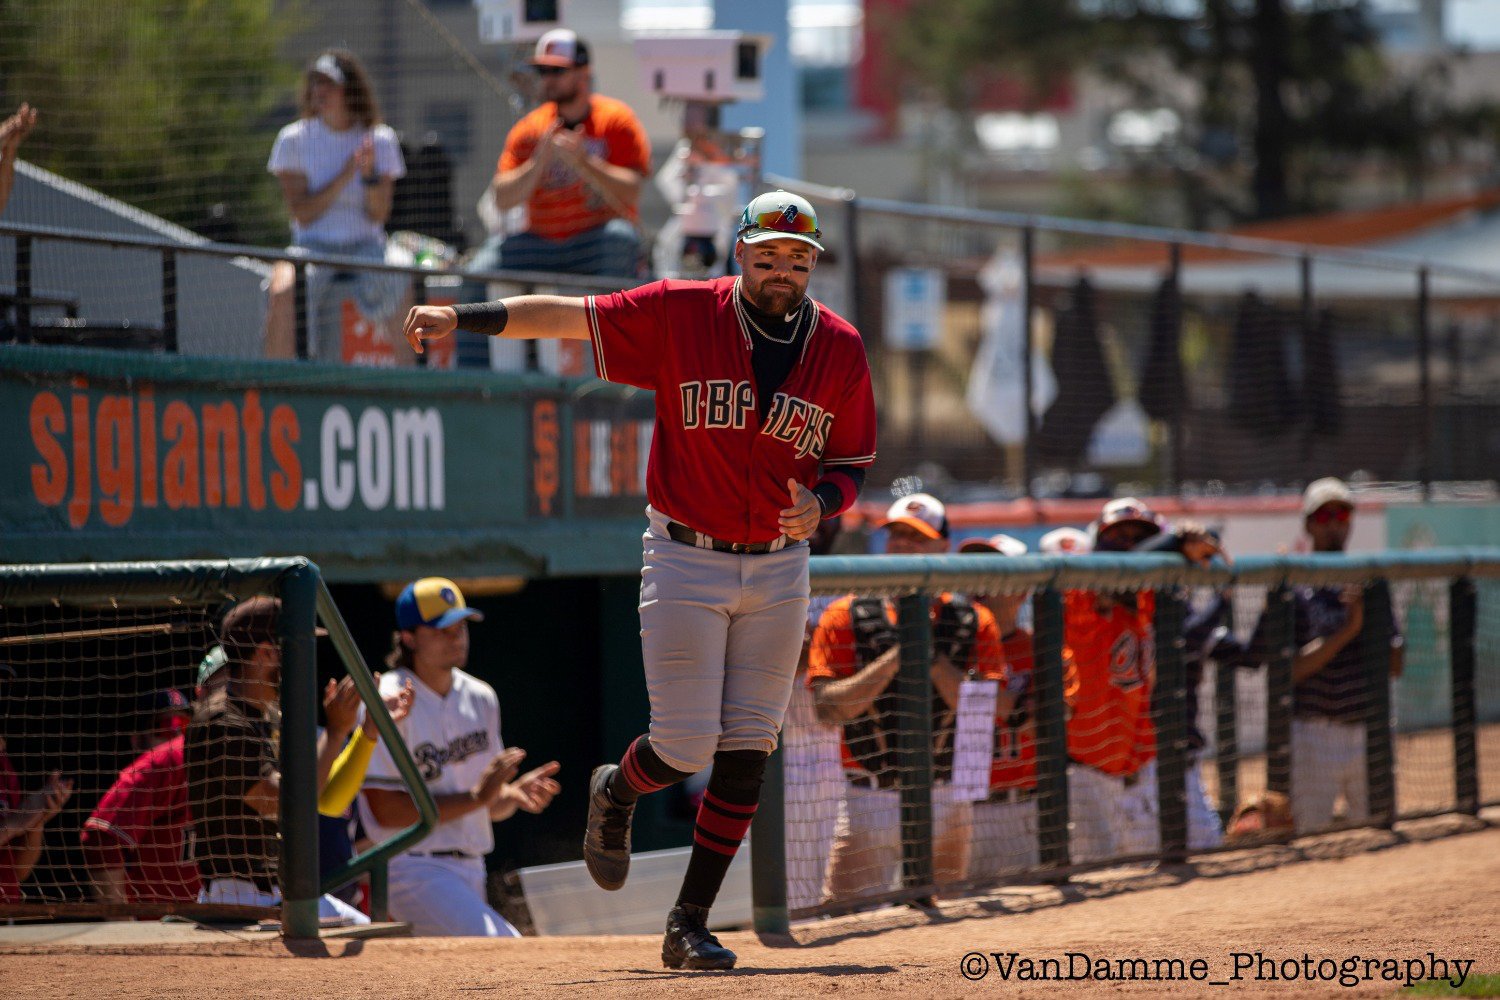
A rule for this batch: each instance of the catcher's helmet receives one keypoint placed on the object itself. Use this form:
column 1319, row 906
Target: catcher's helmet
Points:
column 779, row 215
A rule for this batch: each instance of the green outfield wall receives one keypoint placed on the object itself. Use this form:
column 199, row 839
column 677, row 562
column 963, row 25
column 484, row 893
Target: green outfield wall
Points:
column 365, row 471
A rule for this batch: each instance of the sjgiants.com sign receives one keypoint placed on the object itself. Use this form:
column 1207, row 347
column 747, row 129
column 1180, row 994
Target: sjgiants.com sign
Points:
column 102, row 458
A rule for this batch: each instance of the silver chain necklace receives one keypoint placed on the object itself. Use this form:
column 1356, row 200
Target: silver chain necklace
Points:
column 748, row 320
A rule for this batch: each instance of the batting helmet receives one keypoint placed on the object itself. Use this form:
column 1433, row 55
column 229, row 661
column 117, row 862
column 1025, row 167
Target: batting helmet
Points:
column 779, row 215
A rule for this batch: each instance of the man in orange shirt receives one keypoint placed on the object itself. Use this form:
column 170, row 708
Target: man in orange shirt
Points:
column 577, row 164
column 852, row 667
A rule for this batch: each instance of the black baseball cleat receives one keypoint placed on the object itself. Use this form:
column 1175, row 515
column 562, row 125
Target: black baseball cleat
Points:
column 689, row 945
column 606, row 842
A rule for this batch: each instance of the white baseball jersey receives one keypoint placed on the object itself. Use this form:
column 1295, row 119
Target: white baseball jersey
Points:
column 452, row 738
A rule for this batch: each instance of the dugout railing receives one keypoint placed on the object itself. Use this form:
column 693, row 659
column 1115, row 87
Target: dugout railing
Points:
column 1447, row 603
column 80, row 640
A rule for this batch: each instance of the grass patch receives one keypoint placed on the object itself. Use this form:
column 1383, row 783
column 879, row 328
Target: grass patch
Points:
column 1474, row 986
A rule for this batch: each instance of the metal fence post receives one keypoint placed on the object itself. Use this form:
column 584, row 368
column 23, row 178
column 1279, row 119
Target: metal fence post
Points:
column 1028, row 277
column 23, row 289
column 1179, row 410
column 1375, row 650
column 1169, row 715
column 169, row 300
column 1226, row 740
column 1463, row 613
column 1424, row 375
column 1280, row 702
column 299, row 308
column 914, row 740
column 298, row 753
column 768, row 852
column 380, row 893
column 1051, row 729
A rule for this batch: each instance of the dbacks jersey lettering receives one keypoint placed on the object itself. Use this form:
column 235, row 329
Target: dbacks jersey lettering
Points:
column 716, row 465
column 1109, row 670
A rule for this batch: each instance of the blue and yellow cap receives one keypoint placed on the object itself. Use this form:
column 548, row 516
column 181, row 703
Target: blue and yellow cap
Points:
column 433, row 601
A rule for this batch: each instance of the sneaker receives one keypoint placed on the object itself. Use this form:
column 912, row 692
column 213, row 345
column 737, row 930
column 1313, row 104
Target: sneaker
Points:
column 606, row 842
column 689, row 945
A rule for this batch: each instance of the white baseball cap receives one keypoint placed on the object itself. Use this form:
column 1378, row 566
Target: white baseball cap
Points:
column 1065, row 542
column 561, row 48
column 1324, row 491
column 921, row 511
column 779, row 215
column 1003, row 544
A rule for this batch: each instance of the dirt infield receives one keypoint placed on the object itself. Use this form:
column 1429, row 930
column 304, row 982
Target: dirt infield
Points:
column 1366, row 895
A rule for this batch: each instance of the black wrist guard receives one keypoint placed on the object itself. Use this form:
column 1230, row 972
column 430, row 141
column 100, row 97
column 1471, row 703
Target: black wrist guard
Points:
column 488, row 318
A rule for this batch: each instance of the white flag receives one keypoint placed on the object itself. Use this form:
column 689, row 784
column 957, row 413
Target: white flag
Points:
column 996, row 393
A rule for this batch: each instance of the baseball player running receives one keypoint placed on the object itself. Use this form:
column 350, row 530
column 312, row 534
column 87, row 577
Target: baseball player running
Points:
column 765, row 421
column 453, row 731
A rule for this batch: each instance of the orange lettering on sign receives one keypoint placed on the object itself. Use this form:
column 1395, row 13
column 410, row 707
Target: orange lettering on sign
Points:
column 180, row 472
column 286, row 481
column 253, row 420
column 116, row 460
column 221, row 455
column 49, row 478
column 546, row 465
column 146, row 410
column 78, row 507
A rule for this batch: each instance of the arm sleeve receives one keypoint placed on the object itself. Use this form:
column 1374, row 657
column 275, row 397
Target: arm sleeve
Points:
column 831, row 653
column 628, row 145
column 629, row 334
column 988, row 656
column 520, row 145
column 347, row 775
column 852, row 440
column 388, row 159
column 839, row 488
column 286, row 153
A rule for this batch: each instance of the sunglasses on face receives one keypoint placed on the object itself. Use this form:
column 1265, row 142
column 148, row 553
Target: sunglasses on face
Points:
column 1329, row 515
column 549, row 70
column 786, row 220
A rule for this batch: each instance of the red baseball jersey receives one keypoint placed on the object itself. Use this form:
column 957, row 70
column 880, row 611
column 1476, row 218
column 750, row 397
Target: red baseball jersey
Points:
column 1109, row 670
column 10, row 801
column 142, row 823
column 715, row 464
column 1014, row 762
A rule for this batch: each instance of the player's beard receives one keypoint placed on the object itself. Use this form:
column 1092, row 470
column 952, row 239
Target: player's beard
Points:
column 775, row 298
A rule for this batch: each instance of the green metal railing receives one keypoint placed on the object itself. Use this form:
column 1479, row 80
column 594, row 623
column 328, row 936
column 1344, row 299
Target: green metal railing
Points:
column 304, row 598
column 913, row 580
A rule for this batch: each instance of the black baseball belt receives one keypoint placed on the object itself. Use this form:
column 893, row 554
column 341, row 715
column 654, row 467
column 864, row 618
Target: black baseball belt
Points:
column 687, row 536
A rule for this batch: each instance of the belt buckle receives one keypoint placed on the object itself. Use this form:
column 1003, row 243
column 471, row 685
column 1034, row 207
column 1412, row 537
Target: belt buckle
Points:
column 739, row 548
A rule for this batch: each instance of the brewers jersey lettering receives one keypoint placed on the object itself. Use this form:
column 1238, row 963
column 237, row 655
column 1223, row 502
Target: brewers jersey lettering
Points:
column 717, row 465
column 452, row 739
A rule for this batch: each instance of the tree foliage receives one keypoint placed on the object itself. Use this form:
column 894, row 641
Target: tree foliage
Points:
column 1279, row 99
column 164, row 104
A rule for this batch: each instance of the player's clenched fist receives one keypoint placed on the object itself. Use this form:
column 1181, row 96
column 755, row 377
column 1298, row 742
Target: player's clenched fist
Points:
column 429, row 323
column 800, row 520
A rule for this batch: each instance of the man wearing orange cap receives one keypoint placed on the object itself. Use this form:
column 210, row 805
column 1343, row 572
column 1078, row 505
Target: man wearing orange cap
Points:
column 852, row 666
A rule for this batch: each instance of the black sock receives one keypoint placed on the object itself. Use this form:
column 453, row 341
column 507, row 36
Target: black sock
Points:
column 723, row 819
column 642, row 771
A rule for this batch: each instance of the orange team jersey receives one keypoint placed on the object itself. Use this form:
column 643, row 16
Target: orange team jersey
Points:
column 562, row 205
column 834, row 654
column 1109, row 669
column 1014, row 761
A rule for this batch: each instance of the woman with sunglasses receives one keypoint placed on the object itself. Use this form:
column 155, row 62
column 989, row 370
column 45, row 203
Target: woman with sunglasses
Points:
column 765, row 423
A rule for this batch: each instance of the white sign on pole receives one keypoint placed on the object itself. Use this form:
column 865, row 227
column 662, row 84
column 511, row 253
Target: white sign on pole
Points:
column 914, row 301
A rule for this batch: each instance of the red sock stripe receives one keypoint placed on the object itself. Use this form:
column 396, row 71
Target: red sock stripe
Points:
column 729, row 808
column 635, row 776
column 730, row 828
column 712, row 845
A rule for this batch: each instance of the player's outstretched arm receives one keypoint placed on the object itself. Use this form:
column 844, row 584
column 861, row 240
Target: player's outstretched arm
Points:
column 523, row 317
